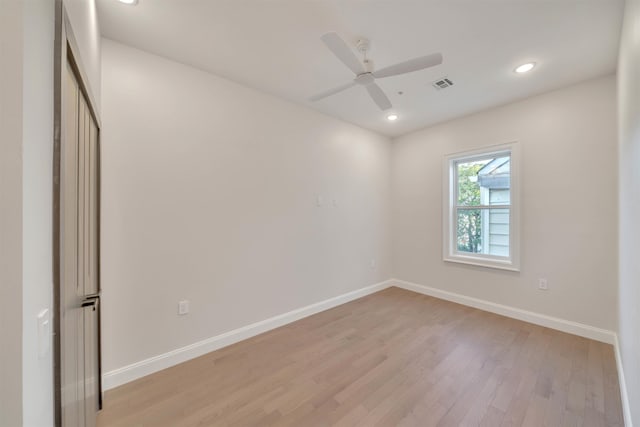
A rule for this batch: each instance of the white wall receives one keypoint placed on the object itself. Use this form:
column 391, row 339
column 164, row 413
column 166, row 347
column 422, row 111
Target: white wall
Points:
column 629, row 179
column 569, row 204
column 26, row 120
column 209, row 194
column 83, row 16
column 11, row 34
column 37, row 161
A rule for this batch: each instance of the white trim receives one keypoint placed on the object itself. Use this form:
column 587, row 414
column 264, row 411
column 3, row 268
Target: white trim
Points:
column 482, row 261
column 157, row 363
column 563, row 325
column 624, row 397
column 153, row 364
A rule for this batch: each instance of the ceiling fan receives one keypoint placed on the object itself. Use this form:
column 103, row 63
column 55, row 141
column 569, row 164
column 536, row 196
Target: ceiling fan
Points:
column 366, row 77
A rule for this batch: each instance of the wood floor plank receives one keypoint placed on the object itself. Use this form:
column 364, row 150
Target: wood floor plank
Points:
column 394, row 358
column 612, row 402
column 576, row 399
column 492, row 417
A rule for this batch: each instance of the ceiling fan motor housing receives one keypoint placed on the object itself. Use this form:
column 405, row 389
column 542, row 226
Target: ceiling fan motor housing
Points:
column 364, row 79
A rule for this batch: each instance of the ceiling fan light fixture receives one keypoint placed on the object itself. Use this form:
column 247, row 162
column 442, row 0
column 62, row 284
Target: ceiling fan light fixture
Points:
column 524, row 68
column 129, row 2
column 392, row 117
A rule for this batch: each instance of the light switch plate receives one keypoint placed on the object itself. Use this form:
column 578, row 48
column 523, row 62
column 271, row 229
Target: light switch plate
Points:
column 183, row 307
column 44, row 333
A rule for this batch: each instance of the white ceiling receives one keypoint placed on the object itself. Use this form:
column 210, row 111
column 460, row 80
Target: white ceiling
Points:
column 275, row 46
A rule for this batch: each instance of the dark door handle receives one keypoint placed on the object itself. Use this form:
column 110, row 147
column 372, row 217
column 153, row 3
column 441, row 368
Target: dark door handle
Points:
column 91, row 301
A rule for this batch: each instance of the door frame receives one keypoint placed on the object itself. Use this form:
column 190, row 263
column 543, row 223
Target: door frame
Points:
column 66, row 50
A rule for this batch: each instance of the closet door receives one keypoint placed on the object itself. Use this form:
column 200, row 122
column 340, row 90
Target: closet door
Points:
column 88, row 207
column 80, row 371
column 72, row 316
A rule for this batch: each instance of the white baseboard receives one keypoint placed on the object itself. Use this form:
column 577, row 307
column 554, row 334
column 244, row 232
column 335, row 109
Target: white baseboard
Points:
column 624, row 397
column 148, row 366
column 563, row 325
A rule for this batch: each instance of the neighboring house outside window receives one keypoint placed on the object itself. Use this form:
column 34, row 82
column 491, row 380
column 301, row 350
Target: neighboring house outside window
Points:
column 494, row 180
column 480, row 207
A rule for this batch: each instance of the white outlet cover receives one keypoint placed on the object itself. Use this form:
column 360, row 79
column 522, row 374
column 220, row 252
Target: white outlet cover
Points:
column 543, row 284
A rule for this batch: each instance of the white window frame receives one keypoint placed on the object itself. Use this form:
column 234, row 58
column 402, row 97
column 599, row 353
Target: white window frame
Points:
column 449, row 193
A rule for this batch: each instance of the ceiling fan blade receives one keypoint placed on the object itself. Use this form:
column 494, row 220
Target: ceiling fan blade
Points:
column 409, row 66
column 378, row 96
column 330, row 92
column 340, row 49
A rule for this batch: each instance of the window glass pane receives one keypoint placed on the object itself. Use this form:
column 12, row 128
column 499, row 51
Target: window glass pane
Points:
column 469, row 230
column 468, row 185
column 497, row 232
column 499, row 196
column 484, row 182
column 483, row 231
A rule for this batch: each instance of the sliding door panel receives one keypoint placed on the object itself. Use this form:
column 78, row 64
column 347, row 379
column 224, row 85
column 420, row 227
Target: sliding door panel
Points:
column 72, row 347
column 80, row 371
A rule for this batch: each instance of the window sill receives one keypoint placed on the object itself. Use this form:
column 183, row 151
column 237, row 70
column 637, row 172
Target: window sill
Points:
column 483, row 262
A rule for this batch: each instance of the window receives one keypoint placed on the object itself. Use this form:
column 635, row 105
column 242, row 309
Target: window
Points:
column 481, row 207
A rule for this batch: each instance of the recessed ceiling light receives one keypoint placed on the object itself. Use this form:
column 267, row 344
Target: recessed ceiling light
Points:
column 525, row 67
column 131, row 2
column 392, row 117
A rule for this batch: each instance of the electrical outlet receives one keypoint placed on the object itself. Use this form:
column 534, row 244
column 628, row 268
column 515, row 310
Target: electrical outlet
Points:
column 543, row 284
column 183, row 307
column 373, row 264
column 319, row 200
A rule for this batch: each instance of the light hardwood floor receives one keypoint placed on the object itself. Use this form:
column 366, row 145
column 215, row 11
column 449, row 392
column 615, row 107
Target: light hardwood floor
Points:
column 394, row 358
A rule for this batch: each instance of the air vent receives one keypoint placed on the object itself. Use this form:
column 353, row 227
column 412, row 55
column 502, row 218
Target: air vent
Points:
column 442, row 83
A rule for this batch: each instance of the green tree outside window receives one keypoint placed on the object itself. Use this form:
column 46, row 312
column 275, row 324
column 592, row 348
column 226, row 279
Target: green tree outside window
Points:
column 469, row 230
